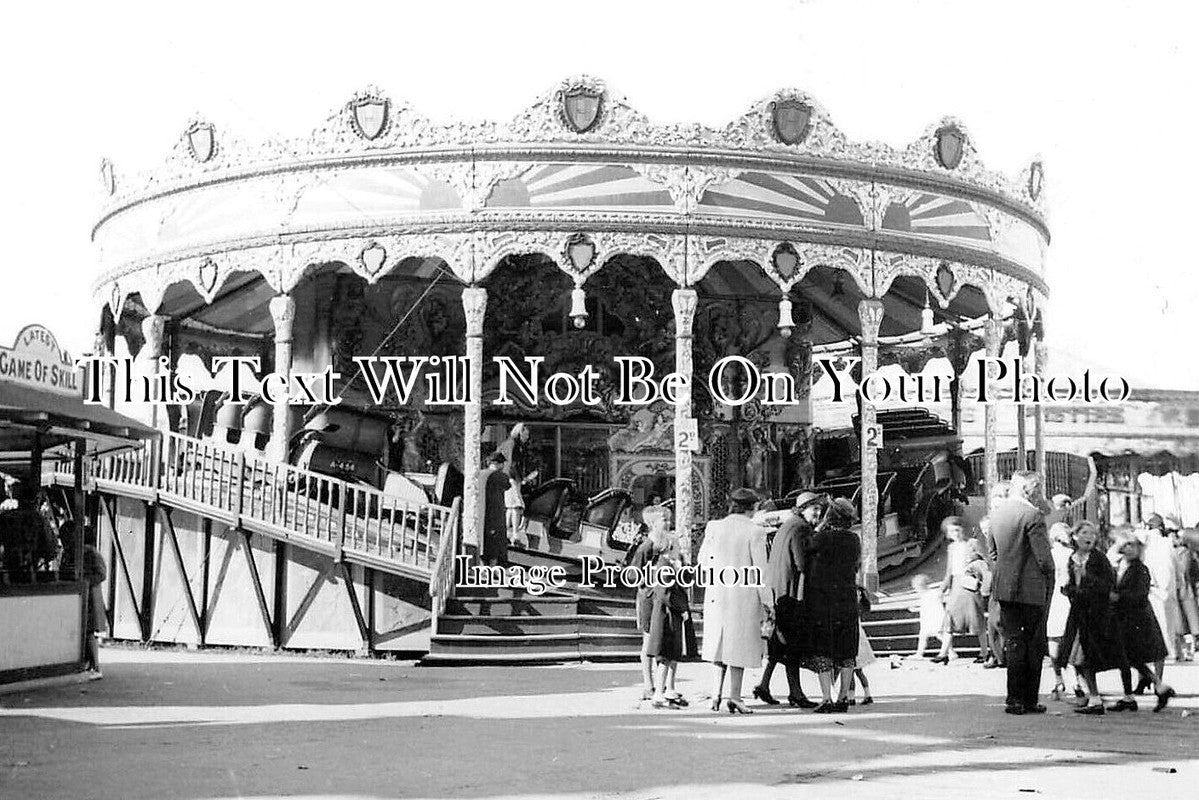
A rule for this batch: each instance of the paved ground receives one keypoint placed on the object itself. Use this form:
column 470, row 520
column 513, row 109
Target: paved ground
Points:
column 212, row 725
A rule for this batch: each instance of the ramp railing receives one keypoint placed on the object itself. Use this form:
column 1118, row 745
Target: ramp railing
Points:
column 282, row 501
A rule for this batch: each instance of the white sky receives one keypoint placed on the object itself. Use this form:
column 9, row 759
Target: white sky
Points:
column 1105, row 92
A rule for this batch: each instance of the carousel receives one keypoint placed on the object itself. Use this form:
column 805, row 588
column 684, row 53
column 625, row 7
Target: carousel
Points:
column 577, row 231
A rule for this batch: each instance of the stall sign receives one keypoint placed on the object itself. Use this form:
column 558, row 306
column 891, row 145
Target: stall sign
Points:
column 36, row 360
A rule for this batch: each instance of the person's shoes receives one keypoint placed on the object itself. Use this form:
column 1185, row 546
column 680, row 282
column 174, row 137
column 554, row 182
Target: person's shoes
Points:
column 1123, row 705
column 763, row 694
column 647, row 694
column 1056, row 694
column 1163, row 697
column 737, row 707
column 801, row 702
column 841, row 706
column 867, row 700
column 1078, row 692
column 851, row 701
column 678, row 701
column 941, row 660
column 980, row 660
column 1013, row 709
column 662, row 702
column 991, row 663
column 1090, row 710
column 715, row 703
column 825, row 707
column 1034, row 709
column 1142, row 686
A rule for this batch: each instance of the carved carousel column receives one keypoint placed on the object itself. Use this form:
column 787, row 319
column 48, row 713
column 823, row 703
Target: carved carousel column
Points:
column 154, row 331
column 283, row 312
column 870, row 314
column 684, row 302
column 1040, row 365
column 992, row 339
column 474, row 303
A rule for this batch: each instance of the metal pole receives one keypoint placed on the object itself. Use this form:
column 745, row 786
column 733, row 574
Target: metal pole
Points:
column 80, row 518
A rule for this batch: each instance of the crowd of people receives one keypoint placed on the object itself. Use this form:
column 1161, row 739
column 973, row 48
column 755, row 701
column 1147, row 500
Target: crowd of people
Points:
column 803, row 615
column 1028, row 585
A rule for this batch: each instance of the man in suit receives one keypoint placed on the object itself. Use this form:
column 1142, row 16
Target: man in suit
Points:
column 1023, row 579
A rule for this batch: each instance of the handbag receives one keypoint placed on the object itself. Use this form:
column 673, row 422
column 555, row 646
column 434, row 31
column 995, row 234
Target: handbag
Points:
column 690, row 640
column 767, row 628
column 863, row 601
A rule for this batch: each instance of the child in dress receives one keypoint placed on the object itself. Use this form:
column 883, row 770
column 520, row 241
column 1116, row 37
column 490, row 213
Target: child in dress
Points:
column 1091, row 643
column 1136, row 625
column 932, row 612
column 665, row 638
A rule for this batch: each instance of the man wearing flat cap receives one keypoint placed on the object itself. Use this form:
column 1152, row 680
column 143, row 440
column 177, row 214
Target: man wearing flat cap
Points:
column 784, row 575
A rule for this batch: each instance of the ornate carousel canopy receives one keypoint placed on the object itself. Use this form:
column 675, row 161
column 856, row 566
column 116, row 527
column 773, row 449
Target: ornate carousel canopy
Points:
column 778, row 205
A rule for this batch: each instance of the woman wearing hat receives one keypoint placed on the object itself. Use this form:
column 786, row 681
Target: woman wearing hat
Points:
column 733, row 614
column 784, row 574
column 831, row 564
column 1136, row 625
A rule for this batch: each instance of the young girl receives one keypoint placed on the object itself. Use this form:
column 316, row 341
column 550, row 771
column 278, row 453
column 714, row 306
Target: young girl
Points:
column 1136, row 625
column 664, row 642
column 864, row 659
column 961, row 588
column 1059, row 604
column 932, row 612
column 1089, row 643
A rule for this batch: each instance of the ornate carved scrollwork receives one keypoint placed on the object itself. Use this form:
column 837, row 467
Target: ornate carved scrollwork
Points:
column 686, row 182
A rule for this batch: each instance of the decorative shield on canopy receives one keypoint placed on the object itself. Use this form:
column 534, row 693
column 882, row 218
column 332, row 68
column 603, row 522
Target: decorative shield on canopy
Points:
column 202, row 140
column 785, row 261
column 949, row 147
column 791, row 120
column 107, row 179
column 1036, row 178
column 373, row 257
column 580, row 252
column 945, row 280
column 208, row 275
column 370, row 116
column 582, row 107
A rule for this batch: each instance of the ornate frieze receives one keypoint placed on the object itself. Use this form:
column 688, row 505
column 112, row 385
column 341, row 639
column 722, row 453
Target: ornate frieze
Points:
column 687, row 182
column 579, row 113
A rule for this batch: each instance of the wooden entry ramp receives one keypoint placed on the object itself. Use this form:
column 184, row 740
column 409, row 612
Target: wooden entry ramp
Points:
column 207, row 544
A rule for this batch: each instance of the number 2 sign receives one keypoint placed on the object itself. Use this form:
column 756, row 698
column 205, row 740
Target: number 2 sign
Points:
column 686, row 435
column 872, row 436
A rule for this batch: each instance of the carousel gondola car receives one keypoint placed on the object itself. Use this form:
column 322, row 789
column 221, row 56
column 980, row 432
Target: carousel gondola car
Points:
column 562, row 522
column 922, row 479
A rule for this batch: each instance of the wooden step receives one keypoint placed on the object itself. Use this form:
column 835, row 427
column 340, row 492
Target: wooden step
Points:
column 494, row 625
column 564, row 644
column 526, row 606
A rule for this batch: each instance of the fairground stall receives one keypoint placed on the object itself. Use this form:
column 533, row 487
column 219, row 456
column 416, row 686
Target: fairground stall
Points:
column 576, row 232
column 44, row 422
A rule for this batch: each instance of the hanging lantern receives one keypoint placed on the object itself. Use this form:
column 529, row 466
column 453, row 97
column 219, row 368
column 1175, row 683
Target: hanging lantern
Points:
column 786, row 321
column 927, row 324
column 578, row 306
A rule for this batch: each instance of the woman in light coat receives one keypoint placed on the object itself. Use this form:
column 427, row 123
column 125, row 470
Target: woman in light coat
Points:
column 733, row 614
